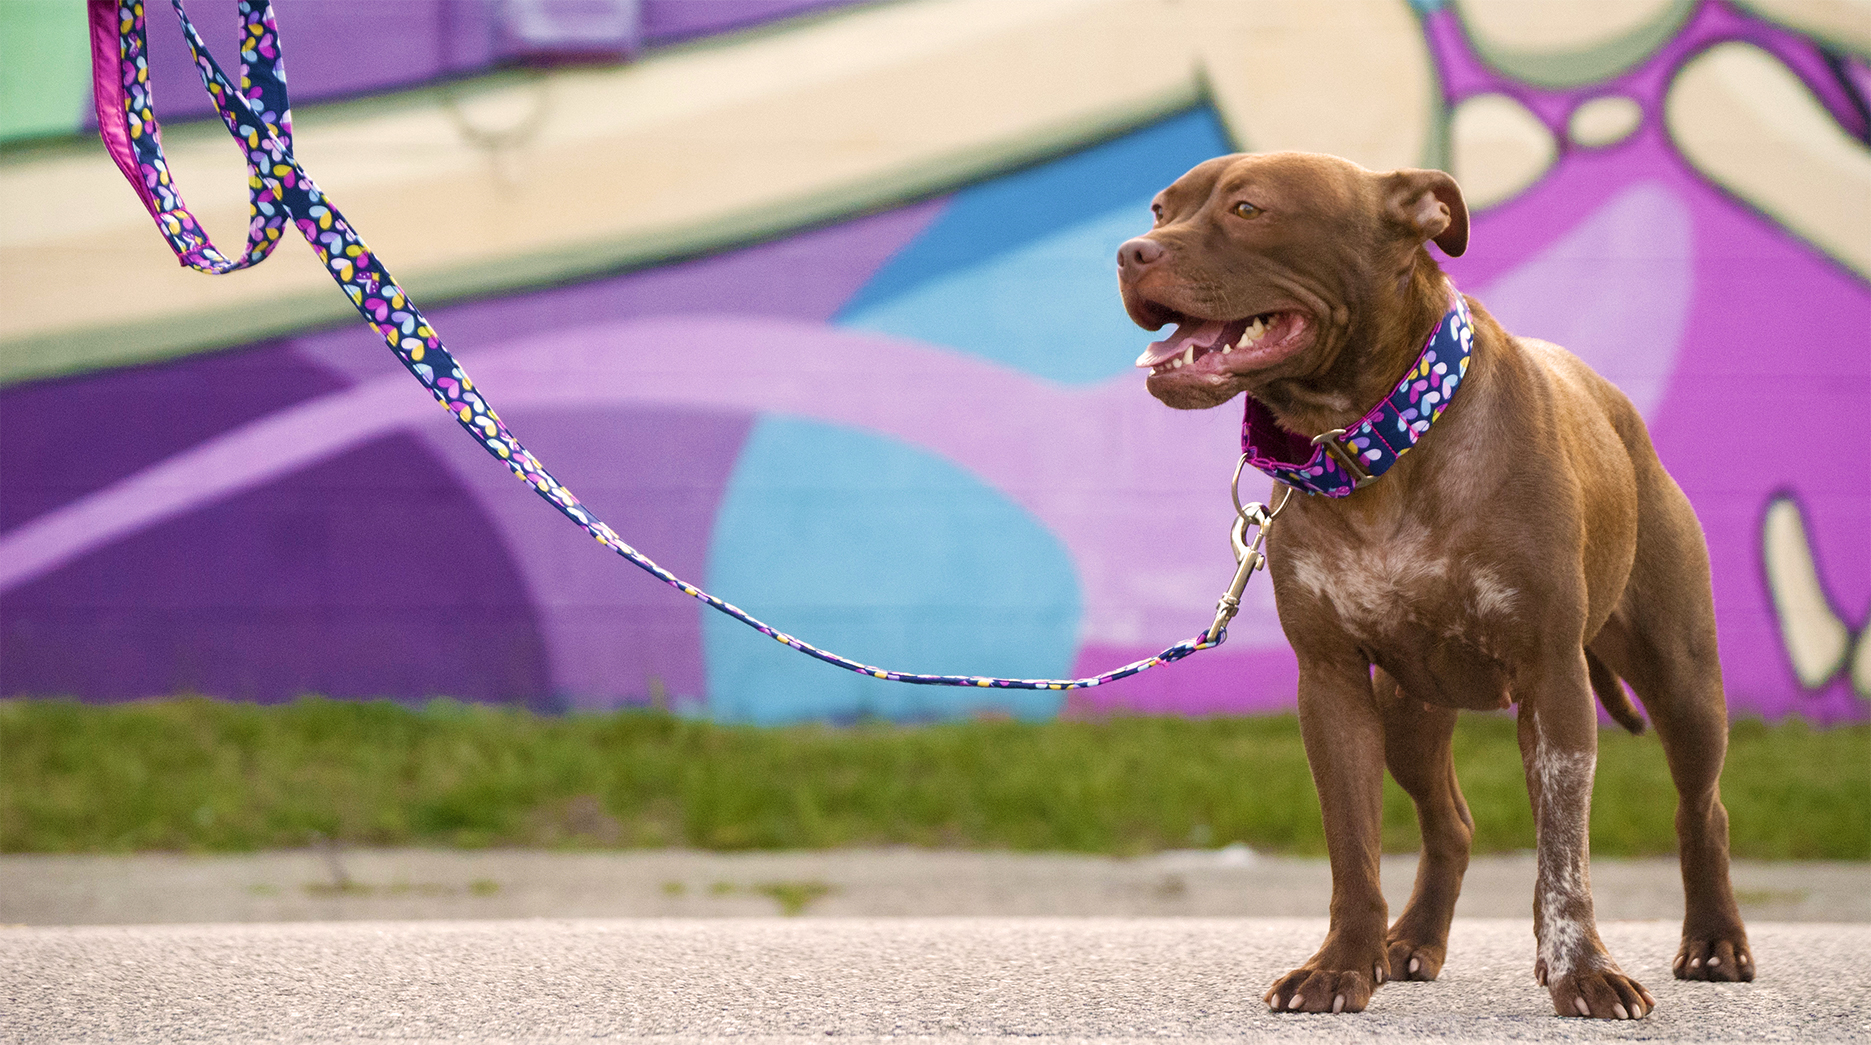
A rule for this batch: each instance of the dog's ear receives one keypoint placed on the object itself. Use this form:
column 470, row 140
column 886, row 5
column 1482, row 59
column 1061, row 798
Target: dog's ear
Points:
column 1431, row 203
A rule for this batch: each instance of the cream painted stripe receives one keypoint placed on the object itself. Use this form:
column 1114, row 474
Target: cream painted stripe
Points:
column 1567, row 43
column 680, row 153
column 1816, row 639
column 693, row 151
column 658, row 98
column 1350, row 77
column 1846, row 23
column 1747, row 122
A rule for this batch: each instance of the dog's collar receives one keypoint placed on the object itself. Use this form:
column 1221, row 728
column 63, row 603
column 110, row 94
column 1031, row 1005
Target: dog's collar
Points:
column 1340, row 461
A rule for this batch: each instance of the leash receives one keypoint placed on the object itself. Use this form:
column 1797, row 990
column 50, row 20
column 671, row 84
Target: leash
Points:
column 280, row 190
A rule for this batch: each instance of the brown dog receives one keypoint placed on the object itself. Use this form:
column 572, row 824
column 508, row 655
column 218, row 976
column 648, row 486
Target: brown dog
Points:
column 1529, row 550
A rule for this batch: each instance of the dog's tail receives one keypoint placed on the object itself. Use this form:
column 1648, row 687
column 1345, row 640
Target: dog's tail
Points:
column 1612, row 694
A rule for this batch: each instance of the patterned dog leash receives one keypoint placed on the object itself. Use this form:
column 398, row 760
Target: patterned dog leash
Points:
column 258, row 117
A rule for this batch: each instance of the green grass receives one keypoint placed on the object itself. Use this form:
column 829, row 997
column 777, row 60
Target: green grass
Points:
column 202, row 775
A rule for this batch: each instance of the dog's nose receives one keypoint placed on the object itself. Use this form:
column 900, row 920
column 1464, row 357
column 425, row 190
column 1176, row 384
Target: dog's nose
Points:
column 1138, row 254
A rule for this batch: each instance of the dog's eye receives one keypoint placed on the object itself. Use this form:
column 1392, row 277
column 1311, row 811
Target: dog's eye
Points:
column 1245, row 209
column 1156, row 211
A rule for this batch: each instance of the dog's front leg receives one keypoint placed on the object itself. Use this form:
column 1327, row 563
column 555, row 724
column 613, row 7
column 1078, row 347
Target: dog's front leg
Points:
column 1345, row 746
column 1558, row 730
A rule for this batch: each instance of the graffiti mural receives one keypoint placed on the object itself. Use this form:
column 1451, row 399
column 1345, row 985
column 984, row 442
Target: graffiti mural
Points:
column 879, row 392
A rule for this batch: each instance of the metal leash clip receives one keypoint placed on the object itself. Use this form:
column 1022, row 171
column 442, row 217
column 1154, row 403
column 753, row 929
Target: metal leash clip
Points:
column 1247, row 553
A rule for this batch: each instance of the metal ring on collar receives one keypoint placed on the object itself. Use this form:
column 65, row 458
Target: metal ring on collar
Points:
column 1253, row 512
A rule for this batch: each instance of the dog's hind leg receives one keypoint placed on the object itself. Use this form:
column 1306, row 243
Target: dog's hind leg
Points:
column 1662, row 641
column 1418, row 748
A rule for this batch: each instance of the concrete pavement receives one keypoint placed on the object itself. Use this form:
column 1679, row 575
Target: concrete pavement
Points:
column 860, row 979
column 673, row 947
column 394, row 884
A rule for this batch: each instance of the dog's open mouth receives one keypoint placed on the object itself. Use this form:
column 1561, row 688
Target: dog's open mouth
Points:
column 1234, row 344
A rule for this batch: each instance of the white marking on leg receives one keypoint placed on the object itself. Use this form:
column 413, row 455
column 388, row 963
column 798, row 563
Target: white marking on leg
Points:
column 1564, row 893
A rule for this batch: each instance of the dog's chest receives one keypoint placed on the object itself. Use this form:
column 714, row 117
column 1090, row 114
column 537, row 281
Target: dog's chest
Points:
column 1437, row 618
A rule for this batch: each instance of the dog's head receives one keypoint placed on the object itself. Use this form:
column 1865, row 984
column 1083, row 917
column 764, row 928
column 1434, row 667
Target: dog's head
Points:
column 1279, row 266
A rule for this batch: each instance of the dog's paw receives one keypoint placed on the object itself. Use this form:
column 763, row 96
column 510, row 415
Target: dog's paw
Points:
column 1324, row 990
column 1604, row 994
column 1410, row 960
column 1723, row 958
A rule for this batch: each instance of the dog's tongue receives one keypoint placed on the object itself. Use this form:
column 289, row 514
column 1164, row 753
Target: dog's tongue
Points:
column 1202, row 333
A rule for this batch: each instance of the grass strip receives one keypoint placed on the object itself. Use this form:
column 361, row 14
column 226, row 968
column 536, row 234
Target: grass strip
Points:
column 203, row 775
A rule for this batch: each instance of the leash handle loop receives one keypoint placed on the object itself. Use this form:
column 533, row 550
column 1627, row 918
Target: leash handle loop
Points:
column 258, row 117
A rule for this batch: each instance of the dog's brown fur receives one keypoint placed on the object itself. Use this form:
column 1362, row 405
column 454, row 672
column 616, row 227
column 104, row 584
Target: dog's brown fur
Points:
column 1528, row 551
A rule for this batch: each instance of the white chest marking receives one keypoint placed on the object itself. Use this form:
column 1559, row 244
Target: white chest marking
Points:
column 1377, row 586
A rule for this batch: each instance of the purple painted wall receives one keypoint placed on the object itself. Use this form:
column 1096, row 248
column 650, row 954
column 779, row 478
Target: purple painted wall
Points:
column 307, row 584
column 343, row 48
column 312, row 463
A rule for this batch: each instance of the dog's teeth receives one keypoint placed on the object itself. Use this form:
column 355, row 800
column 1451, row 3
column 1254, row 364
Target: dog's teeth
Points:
column 1188, row 355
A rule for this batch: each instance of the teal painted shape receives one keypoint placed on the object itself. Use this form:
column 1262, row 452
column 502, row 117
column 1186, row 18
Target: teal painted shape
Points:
column 1022, row 269
column 1049, row 307
column 890, row 555
column 45, row 68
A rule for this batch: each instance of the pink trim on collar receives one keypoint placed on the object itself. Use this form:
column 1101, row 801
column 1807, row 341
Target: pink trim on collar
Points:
column 1338, row 462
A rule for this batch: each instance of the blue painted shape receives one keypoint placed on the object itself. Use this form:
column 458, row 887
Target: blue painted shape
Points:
column 1022, row 269
column 888, row 554
column 1049, row 307
column 998, row 215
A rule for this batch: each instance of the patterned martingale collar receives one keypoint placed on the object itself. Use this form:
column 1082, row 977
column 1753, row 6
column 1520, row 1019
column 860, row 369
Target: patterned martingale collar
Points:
column 1340, row 461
